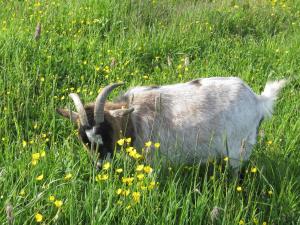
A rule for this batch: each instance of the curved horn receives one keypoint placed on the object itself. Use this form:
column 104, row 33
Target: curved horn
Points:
column 100, row 101
column 80, row 109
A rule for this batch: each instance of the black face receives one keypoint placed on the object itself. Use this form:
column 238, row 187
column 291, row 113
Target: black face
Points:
column 106, row 132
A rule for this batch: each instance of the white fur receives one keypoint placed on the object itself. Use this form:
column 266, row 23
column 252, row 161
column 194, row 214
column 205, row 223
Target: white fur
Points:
column 195, row 122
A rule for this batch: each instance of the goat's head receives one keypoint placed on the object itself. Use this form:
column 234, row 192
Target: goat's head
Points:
column 100, row 123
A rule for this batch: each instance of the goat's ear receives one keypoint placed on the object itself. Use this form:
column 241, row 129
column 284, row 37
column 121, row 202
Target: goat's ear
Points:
column 73, row 116
column 120, row 112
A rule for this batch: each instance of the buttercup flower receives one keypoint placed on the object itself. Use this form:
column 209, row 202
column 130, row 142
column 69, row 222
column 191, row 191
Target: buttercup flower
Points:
column 157, row 145
column 239, row 188
column 148, row 169
column 40, row 177
column 119, row 170
column 106, row 166
column 121, row 142
column 68, row 176
column 51, row 198
column 101, row 177
column 38, row 217
column 148, row 144
column 139, row 168
column 36, row 156
column 136, row 196
column 58, row 203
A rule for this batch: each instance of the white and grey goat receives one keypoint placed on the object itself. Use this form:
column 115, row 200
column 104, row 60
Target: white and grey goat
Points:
column 194, row 121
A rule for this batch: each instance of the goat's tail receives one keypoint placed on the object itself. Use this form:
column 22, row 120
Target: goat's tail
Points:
column 269, row 95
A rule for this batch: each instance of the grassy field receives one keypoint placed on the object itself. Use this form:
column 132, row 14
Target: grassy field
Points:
column 45, row 174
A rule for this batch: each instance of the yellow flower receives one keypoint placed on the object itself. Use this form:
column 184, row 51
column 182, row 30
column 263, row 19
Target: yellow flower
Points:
column 148, row 144
column 36, row 156
column 255, row 221
column 51, row 198
column 22, row 192
column 34, row 162
column 136, row 196
column 44, row 135
column 157, row 145
column 24, row 143
column 139, row 168
column 140, row 176
column 127, row 180
column 121, row 142
column 270, row 192
column 58, row 203
column 152, row 185
column 42, row 153
column 119, row 191
column 101, row 177
column 264, row 223
column 270, row 142
column 241, row 222
column 40, row 177
column 120, row 170
column 253, row 170
column 106, row 166
column 68, row 176
column 38, row 217
column 239, row 188
column 148, row 169
column 129, row 149
column 125, row 192
column 128, row 140
column 226, row 159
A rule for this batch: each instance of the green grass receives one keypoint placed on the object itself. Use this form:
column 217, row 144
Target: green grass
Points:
column 257, row 41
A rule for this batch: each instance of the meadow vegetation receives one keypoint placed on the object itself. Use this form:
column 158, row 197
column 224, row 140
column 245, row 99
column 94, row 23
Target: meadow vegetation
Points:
column 46, row 175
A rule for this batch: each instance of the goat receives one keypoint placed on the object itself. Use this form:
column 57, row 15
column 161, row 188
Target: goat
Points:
column 194, row 121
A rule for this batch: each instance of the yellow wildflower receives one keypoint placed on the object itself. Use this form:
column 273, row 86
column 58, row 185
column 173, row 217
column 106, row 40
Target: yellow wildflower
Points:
column 42, row 153
column 24, row 143
column 121, row 142
column 125, row 192
column 119, row 191
column 270, row 142
column 140, row 176
column 40, row 177
column 255, row 220
column 58, row 203
column 253, row 170
column 136, row 196
column 239, row 188
column 157, row 145
column 139, row 168
column 38, row 217
column 148, row 144
column 101, row 177
column 270, row 192
column 226, row 159
column 264, row 223
column 119, row 170
column 127, row 180
column 36, row 156
column 68, row 176
column 148, row 169
column 44, row 135
column 152, row 185
column 22, row 192
column 129, row 149
column 34, row 162
column 51, row 198
column 128, row 140
column 106, row 166
column 241, row 222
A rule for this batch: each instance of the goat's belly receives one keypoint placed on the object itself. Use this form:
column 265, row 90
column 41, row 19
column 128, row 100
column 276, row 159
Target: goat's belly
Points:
column 188, row 147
